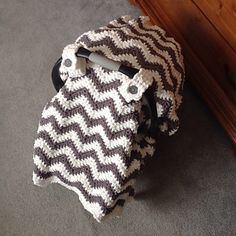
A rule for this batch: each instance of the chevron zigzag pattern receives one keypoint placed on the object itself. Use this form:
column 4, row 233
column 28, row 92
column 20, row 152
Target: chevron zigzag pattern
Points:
column 88, row 138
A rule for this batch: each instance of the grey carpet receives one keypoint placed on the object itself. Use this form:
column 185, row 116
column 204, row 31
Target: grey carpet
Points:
column 188, row 188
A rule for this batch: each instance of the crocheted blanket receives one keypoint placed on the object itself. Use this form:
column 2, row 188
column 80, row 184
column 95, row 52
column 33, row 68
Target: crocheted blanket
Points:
column 88, row 138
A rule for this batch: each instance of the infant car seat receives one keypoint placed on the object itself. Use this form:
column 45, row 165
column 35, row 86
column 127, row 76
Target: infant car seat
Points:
column 117, row 87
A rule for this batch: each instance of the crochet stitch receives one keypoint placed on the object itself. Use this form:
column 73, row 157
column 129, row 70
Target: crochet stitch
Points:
column 88, row 138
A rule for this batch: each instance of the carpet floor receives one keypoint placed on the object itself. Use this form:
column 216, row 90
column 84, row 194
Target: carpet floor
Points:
column 188, row 188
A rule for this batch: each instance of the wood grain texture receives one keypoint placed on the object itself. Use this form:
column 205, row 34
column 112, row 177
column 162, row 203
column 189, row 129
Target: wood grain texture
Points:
column 207, row 53
column 222, row 15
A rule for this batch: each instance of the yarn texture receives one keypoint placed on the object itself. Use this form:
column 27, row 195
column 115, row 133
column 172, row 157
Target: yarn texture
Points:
column 88, row 138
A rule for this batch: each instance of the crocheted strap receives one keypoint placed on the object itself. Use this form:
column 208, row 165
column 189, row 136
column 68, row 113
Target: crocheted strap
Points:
column 133, row 89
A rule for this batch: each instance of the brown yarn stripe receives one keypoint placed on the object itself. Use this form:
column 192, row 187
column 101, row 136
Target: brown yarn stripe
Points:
column 86, row 169
column 133, row 50
column 90, row 122
column 89, row 197
column 119, row 150
column 112, row 135
column 101, row 167
column 170, row 51
column 124, row 36
column 163, row 37
column 84, row 138
column 85, row 154
column 97, row 105
column 97, row 82
column 78, row 185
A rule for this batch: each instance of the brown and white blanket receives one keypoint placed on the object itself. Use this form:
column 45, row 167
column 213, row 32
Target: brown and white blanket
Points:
column 88, row 138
